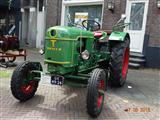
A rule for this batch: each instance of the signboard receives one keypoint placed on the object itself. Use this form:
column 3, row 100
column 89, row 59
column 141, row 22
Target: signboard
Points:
column 79, row 17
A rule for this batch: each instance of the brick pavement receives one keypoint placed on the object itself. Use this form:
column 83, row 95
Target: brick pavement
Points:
column 142, row 90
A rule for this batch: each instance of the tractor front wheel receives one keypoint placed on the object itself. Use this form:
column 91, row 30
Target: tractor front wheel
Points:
column 23, row 84
column 96, row 92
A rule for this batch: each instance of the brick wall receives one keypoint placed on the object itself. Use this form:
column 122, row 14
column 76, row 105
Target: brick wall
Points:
column 53, row 12
column 110, row 18
column 153, row 24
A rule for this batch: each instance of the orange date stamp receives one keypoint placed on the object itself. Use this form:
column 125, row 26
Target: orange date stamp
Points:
column 138, row 109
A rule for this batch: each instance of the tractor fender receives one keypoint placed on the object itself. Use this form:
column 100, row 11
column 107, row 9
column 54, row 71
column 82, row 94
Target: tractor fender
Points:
column 118, row 36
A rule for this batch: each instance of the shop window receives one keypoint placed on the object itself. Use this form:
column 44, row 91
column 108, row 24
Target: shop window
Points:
column 83, row 12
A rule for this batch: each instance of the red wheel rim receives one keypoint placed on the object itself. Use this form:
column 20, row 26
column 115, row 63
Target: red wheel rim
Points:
column 125, row 63
column 27, row 89
column 101, row 87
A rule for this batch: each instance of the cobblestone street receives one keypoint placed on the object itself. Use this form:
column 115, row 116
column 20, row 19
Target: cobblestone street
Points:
column 139, row 99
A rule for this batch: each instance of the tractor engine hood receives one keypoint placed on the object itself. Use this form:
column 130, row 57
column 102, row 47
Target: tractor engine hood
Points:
column 61, row 43
column 67, row 33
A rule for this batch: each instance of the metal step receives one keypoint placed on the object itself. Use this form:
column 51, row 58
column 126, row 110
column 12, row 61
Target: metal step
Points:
column 136, row 60
column 136, row 55
column 134, row 65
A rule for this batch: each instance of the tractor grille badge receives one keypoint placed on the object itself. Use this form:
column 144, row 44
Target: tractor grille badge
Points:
column 53, row 42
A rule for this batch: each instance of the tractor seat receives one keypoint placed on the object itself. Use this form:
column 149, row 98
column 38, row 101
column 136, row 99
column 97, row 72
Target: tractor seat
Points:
column 97, row 34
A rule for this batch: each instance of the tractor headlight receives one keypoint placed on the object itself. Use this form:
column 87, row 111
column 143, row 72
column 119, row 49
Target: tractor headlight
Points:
column 53, row 33
column 85, row 55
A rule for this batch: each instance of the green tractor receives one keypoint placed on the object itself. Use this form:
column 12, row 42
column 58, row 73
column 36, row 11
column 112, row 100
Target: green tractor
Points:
column 76, row 56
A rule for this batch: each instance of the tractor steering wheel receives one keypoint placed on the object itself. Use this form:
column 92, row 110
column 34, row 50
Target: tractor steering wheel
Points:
column 91, row 25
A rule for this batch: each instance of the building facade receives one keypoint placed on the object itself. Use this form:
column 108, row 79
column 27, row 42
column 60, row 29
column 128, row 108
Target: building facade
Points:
column 151, row 46
column 144, row 16
column 33, row 23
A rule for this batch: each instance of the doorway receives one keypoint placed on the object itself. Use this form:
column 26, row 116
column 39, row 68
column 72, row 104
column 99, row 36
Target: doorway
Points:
column 136, row 12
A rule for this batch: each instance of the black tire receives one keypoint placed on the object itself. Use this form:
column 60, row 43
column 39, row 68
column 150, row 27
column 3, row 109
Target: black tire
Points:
column 21, row 89
column 96, row 92
column 119, row 63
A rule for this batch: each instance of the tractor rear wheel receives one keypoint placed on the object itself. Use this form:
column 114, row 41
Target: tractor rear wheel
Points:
column 96, row 92
column 119, row 63
column 23, row 84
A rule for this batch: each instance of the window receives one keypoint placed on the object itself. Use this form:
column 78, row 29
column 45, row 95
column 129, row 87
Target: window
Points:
column 93, row 12
column 136, row 18
column 7, row 25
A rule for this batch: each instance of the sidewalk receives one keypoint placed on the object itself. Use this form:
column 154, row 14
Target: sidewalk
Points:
column 139, row 99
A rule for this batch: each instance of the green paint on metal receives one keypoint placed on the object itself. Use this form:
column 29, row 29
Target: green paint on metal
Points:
column 63, row 52
column 28, row 78
column 67, row 33
column 62, row 44
column 117, row 36
column 75, row 84
column 76, row 77
column 56, row 62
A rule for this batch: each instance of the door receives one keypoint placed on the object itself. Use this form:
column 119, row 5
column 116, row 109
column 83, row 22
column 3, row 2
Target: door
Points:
column 136, row 12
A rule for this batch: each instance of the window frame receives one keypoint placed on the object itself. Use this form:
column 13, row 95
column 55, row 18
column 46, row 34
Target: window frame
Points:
column 66, row 4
